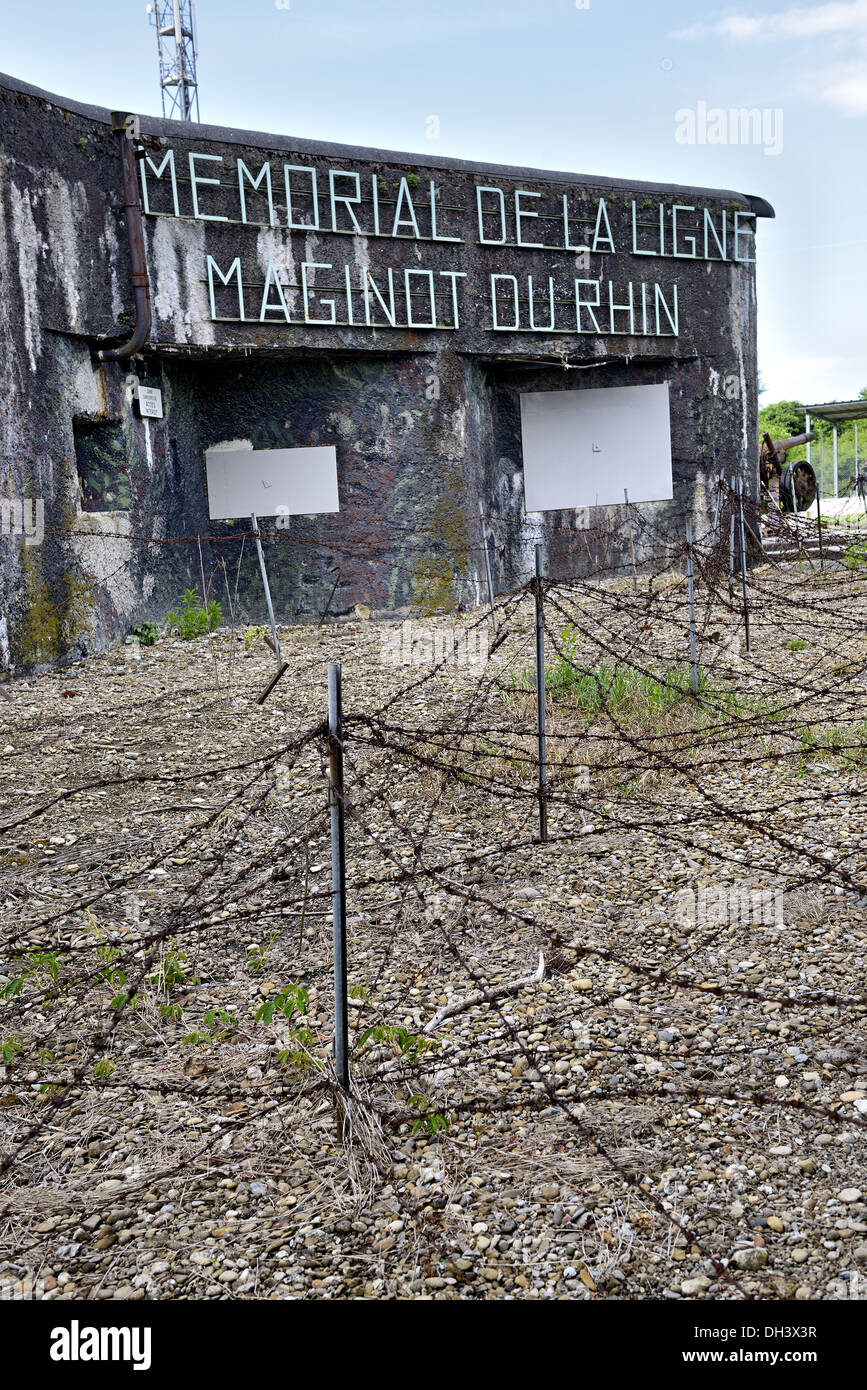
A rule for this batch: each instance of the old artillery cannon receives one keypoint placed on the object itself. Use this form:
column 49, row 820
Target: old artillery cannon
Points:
column 791, row 487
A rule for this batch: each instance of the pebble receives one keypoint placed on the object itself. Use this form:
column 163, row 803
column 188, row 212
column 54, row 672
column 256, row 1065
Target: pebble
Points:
column 696, row 1285
column 751, row 1259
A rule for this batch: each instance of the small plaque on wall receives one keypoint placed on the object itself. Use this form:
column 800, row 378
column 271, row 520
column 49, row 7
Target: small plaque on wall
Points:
column 150, row 402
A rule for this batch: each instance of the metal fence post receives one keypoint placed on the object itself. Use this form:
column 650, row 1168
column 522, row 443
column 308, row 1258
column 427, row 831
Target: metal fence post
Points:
column 338, row 871
column 744, row 561
column 716, row 510
column 261, row 555
column 631, row 545
column 690, row 584
column 540, row 702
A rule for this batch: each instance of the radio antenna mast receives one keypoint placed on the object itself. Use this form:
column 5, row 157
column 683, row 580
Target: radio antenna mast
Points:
column 177, row 47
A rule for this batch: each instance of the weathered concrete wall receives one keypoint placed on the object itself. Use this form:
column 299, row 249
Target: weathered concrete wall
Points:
column 425, row 419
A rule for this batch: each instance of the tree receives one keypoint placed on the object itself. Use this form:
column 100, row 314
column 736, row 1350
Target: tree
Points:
column 782, row 419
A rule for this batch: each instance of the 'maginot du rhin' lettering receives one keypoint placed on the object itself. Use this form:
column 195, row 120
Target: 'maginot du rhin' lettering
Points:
column 418, row 298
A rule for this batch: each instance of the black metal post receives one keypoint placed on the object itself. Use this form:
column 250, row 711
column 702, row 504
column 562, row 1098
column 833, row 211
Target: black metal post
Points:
column 540, row 702
column 744, row 562
column 690, row 584
column 631, row 545
column 338, row 871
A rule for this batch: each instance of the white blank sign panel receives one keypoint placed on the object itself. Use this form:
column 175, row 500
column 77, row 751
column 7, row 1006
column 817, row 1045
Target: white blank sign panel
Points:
column 298, row 482
column 582, row 448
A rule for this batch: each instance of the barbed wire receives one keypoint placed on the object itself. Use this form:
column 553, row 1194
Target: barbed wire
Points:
column 718, row 772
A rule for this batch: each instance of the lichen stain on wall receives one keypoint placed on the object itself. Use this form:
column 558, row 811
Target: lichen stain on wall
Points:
column 55, row 613
column 108, row 246
column 180, row 297
column 272, row 245
column 30, row 247
column 68, row 216
column 104, row 556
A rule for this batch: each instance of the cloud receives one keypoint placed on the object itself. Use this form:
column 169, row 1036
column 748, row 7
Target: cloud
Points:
column 838, row 17
column 808, row 378
column 842, row 84
column 846, row 88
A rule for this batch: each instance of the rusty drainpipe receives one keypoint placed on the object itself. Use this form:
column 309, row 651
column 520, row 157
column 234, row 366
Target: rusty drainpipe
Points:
column 135, row 236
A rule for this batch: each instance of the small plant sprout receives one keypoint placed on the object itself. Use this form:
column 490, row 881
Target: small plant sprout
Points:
column 428, row 1119
column 257, row 954
column 9, row 1049
column 218, row 1026
column 192, row 618
column 288, row 1002
column 411, row 1046
column 172, row 973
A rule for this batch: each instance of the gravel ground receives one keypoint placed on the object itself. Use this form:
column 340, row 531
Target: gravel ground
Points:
column 670, row 1105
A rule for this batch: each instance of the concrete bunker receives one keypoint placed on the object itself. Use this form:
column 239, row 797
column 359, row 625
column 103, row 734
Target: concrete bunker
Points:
column 305, row 294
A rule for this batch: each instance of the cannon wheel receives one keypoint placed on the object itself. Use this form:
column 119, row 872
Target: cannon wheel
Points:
column 797, row 487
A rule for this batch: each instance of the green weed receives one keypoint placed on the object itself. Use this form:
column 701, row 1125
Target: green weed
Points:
column 192, row 619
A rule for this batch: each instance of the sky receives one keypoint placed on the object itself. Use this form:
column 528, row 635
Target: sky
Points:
column 609, row 87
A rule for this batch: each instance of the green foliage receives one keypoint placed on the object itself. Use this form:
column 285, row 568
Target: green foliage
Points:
column 252, row 635
column 10, row 1047
column 219, row 1025
column 172, row 973
column 849, row 744
column 782, row 419
column 855, row 554
column 115, row 977
column 648, row 699
column 797, row 644
column 287, row 1002
column 409, row 1045
column 429, row 1120
column 146, row 634
column 45, row 1057
column 257, row 956
column 605, row 686
column 38, row 966
column 192, row 619
column 104, row 1068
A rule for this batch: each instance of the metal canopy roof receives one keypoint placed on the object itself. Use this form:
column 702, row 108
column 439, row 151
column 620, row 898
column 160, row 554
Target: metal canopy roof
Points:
column 837, row 411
